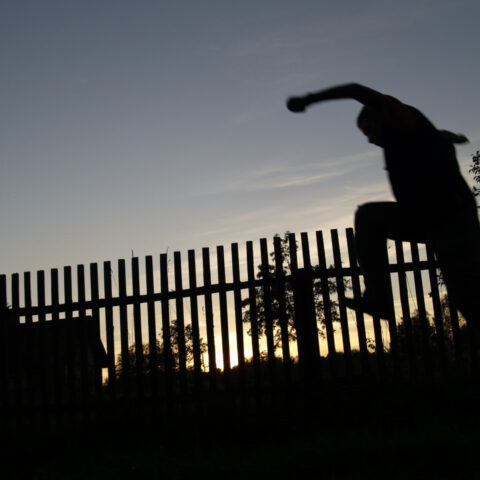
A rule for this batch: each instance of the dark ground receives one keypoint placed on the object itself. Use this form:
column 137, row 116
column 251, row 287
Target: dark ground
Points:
column 408, row 432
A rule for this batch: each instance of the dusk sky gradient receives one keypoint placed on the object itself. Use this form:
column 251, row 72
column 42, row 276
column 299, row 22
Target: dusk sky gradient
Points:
column 151, row 125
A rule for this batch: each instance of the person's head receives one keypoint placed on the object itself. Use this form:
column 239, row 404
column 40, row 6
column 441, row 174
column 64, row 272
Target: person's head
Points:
column 371, row 126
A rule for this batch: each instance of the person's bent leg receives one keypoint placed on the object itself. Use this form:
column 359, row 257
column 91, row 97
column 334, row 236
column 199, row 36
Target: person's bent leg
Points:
column 371, row 245
column 374, row 224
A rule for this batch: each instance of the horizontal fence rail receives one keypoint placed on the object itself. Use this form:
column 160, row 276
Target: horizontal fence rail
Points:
column 246, row 322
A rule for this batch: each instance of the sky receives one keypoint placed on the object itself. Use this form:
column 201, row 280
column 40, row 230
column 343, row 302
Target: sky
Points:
column 152, row 126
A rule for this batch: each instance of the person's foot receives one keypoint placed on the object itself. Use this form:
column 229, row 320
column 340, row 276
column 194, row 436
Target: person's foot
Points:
column 367, row 305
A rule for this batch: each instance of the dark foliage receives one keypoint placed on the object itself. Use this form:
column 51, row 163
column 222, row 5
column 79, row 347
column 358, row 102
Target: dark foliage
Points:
column 159, row 356
column 279, row 291
column 475, row 170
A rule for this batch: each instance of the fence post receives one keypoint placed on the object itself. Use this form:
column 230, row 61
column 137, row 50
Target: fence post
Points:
column 4, row 350
column 306, row 326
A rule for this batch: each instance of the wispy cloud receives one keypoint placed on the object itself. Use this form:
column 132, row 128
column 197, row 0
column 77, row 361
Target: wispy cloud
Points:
column 280, row 180
column 285, row 175
column 328, row 162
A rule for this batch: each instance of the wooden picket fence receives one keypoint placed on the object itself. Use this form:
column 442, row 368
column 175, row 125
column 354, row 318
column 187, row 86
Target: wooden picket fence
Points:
column 72, row 345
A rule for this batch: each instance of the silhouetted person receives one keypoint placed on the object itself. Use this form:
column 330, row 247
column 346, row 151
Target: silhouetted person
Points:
column 434, row 203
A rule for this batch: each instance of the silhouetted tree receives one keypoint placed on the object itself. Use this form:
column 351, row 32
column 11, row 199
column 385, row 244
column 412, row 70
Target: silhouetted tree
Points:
column 431, row 329
column 189, row 350
column 288, row 295
column 121, row 369
column 417, row 328
column 447, row 322
column 475, row 170
column 159, row 351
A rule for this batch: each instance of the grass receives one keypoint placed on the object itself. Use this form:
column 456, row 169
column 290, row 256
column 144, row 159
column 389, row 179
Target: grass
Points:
column 344, row 433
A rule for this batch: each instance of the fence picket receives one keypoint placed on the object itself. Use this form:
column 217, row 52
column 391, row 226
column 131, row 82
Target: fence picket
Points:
column 379, row 346
column 81, row 331
column 437, row 312
column 70, row 377
column 359, row 316
column 237, row 296
column 267, row 308
column 16, row 295
column 282, row 309
column 124, row 343
column 27, row 293
column 307, row 262
column 43, row 377
column 327, row 305
column 94, row 293
column 310, row 326
column 392, row 330
column 58, row 377
column 28, row 352
column 456, row 334
column 252, row 295
column 152, row 327
column 406, row 317
column 180, row 330
column 167, row 347
column 137, row 328
column 347, row 349
column 197, row 353
column 422, row 311
column 5, row 332
column 224, row 317
column 292, row 250
column 41, row 295
column 18, row 382
column 109, row 327
column 207, row 282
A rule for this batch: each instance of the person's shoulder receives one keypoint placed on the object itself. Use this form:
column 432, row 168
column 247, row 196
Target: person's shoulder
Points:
column 403, row 117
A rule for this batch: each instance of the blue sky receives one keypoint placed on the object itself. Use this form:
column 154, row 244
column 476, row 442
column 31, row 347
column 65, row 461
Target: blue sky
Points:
column 155, row 125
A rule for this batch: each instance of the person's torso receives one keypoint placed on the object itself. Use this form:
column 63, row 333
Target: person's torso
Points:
column 423, row 169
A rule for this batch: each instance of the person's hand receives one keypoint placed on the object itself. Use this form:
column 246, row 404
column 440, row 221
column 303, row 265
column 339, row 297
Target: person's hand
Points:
column 296, row 104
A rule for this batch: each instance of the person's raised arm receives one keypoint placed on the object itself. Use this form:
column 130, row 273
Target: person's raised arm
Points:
column 355, row 91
